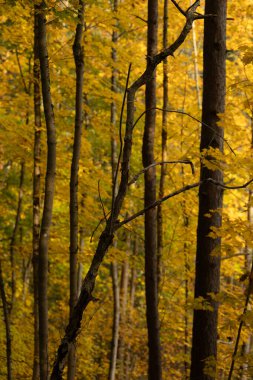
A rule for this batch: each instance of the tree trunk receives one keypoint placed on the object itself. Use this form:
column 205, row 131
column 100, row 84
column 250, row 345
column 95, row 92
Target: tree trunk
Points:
column 164, row 143
column 73, row 205
column 116, row 316
column 123, row 309
column 36, row 194
column 7, row 326
column 14, row 236
column 129, row 354
column 40, row 10
column 114, row 265
column 154, row 362
column 204, row 342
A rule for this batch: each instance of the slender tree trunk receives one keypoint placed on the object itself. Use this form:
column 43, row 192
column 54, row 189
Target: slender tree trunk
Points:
column 116, row 317
column 114, row 265
column 123, row 309
column 73, row 205
column 40, row 10
column 196, row 70
column 207, row 280
column 7, row 326
column 14, row 236
column 129, row 355
column 155, row 367
column 36, row 195
column 164, row 143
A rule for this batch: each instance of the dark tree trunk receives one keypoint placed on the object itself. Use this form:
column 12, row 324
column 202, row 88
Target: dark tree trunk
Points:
column 40, row 9
column 204, row 342
column 7, row 326
column 73, row 205
column 164, row 143
column 36, row 195
column 155, row 368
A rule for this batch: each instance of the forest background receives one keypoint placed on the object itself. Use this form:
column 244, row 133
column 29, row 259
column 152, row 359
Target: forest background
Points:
column 121, row 275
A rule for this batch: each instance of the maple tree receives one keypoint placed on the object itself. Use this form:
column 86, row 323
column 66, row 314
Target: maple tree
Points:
column 114, row 35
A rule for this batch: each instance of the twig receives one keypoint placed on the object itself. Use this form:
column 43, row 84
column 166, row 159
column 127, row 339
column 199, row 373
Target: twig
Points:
column 21, row 73
column 234, row 255
column 101, row 201
column 99, row 223
column 142, row 19
column 187, row 114
column 187, row 162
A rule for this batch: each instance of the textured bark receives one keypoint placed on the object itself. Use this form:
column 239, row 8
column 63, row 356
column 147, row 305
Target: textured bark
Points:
column 36, row 195
column 207, row 280
column 7, row 326
column 40, row 10
column 152, row 316
column 112, row 224
column 164, row 143
column 78, row 53
column 14, row 235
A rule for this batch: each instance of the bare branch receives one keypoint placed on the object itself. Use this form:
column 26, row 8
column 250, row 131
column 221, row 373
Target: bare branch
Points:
column 187, row 114
column 179, row 8
column 142, row 19
column 193, row 6
column 187, row 162
column 101, row 201
column 156, row 203
column 21, row 73
column 234, row 255
column 121, row 142
column 174, row 193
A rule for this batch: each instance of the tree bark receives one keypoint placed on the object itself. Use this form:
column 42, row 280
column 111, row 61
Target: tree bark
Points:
column 207, row 280
column 36, row 194
column 154, row 362
column 40, row 10
column 7, row 326
column 164, row 143
column 78, row 53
